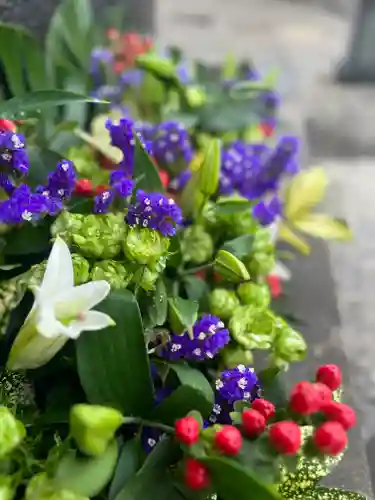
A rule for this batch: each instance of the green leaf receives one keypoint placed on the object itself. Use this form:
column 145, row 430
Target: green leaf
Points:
column 32, row 104
column 180, row 403
column 286, row 234
column 230, row 268
column 158, row 66
column 42, row 162
column 323, row 226
column 229, row 70
column 232, row 205
column 86, row 476
column 128, row 463
column 195, row 288
column 274, row 386
column 145, row 169
column 234, row 482
column 158, row 307
column 194, row 378
column 28, row 239
column 226, row 113
column 113, row 365
column 100, row 144
column 240, row 247
column 254, row 455
column 182, row 314
column 303, row 192
column 323, row 493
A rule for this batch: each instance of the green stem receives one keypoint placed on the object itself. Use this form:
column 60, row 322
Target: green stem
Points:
column 193, row 270
column 148, row 423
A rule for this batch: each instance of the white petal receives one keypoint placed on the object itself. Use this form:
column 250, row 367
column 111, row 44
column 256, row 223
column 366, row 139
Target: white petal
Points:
column 59, row 273
column 80, row 299
column 281, row 271
column 92, row 321
column 47, row 324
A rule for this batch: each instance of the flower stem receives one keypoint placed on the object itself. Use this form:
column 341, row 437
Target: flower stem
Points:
column 193, row 270
column 148, row 423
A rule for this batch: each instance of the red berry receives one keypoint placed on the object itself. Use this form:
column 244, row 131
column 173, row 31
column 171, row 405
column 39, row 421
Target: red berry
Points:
column 266, row 408
column 196, row 475
column 267, row 129
column 187, row 430
column 201, row 274
column 304, row 399
column 228, row 440
column 164, row 177
column 340, row 412
column 274, row 284
column 330, row 438
column 7, row 125
column 286, row 437
column 325, row 393
column 253, row 422
column 84, row 187
column 330, row 375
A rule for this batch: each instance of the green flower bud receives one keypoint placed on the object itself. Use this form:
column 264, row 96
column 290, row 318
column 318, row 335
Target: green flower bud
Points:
column 260, row 264
column 197, row 245
column 254, row 294
column 253, row 328
column 41, row 487
column 12, row 431
column 262, row 240
column 289, row 345
column 145, row 246
column 223, row 302
column 230, row 268
column 209, row 215
column 145, row 278
column 6, row 488
column 100, row 236
column 233, row 357
column 195, row 96
column 81, row 269
column 66, row 225
column 93, row 427
column 114, row 272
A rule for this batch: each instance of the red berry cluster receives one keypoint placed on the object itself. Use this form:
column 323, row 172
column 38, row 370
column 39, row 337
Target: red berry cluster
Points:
column 84, row 187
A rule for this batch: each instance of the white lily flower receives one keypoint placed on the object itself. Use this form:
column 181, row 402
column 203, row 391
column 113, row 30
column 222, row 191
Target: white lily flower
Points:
column 60, row 312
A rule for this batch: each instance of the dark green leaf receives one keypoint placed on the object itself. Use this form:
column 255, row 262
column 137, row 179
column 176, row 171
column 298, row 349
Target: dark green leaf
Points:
column 28, row 239
column 145, row 169
column 113, row 365
column 127, row 465
column 256, row 457
column 188, row 120
column 274, row 386
column 227, row 114
column 193, row 378
column 182, row 314
column 42, row 162
column 240, row 247
column 33, row 103
column 13, row 40
column 158, row 307
column 86, row 476
column 234, row 482
column 180, row 403
column 196, row 288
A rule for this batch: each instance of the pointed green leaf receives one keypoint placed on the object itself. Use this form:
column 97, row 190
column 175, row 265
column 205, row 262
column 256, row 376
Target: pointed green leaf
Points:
column 145, row 169
column 232, row 205
column 113, row 364
column 182, row 314
column 193, row 378
column 127, row 465
column 286, row 234
column 158, row 306
column 210, row 169
column 100, row 144
column 13, row 41
column 229, row 70
column 240, row 247
column 323, row 226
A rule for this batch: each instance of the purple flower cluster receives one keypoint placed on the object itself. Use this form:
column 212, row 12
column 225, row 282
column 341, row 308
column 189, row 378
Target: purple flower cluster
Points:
column 61, row 182
column 172, row 144
column 180, row 181
column 14, row 160
column 209, row 337
column 267, row 211
column 155, row 211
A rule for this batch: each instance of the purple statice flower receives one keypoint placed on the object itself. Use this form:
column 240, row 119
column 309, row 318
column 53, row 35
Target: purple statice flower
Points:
column 24, row 205
column 155, row 211
column 6, row 184
column 110, row 93
column 271, row 99
column 183, row 72
column 267, row 211
column 99, row 56
column 131, row 78
column 172, row 144
column 180, row 181
column 146, row 130
column 14, row 160
column 103, row 202
column 209, row 337
column 61, row 182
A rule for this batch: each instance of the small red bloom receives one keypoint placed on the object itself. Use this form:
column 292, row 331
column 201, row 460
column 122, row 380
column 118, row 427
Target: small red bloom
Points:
column 266, row 408
column 7, row 125
column 267, row 129
column 274, row 284
column 113, row 34
column 286, row 437
column 100, row 189
column 304, row 398
column 228, row 440
column 253, row 422
column 164, row 177
column 340, row 412
column 196, row 475
column 187, row 430
column 325, row 393
column 84, row 187
column 329, row 375
column 330, row 438
column 119, row 66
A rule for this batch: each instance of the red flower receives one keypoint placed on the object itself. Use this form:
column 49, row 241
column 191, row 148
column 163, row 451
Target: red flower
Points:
column 119, row 66
column 325, row 393
column 84, row 187
column 340, row 412
column 267, row 129
column 164, row 177
column 7, row 125
column 187, row 430
column 266, row 408
column 228, row 440
column 286, row 437
column 253, row 422
column 304, row 399
column 330, row 375
column 274, row 284
column 196, row 475
column 330, row 438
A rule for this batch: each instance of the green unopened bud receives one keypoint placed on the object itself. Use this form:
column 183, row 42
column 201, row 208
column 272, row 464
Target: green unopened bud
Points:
column 145, row 246
column 12, row 431
column 230, row 268
column 66, row 225
column 210, row 169
column 253, row 328
column 254, row 294
column 233, row 357
column 209, row 215
column 159, row 66
column 6, row 488
column 260, row 264
column 223, row 302
column 114, row 272
column 238, row 224
column 262, row 240
column 145, row 278
column 100, row 236
column 41, row 487
column 197, row 245
column 195, row 96
column 93, row 427
column 289, row 345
